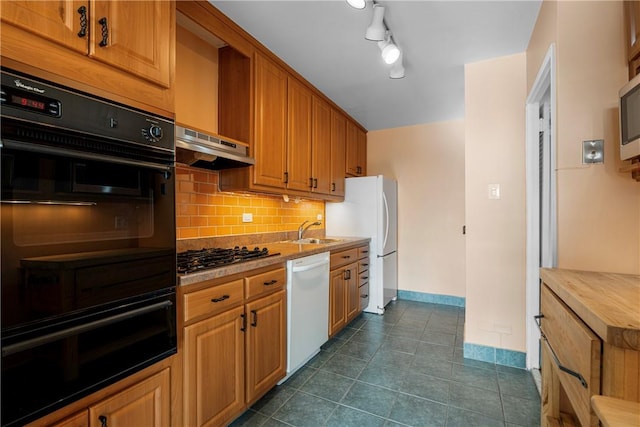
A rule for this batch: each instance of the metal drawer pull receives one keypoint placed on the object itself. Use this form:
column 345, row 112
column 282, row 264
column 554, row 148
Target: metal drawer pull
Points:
column 244, row 322
column 105, row 32
column 254, row 322
column 273, row 282
column 103, row 420
column 82, row 10
column 364, row 296
column 364, row 277
column 222, row 298
column 564, row 368
column 538, row 319
column 346, row 256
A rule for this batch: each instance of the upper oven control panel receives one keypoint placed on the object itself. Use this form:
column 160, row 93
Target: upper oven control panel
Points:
column 43, row 103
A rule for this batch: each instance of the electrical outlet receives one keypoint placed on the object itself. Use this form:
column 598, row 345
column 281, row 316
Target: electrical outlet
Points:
column 319, row 217
column 247, row 217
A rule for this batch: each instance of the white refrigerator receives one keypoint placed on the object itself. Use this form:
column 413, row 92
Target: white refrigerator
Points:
column 370, row 209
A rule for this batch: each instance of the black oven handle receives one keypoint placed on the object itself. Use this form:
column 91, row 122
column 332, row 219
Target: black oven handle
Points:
column 43, row 149
column 75, row 330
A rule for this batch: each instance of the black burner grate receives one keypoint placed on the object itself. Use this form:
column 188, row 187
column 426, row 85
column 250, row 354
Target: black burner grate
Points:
column 205, row 259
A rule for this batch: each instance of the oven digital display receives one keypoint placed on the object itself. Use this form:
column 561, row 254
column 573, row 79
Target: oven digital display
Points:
column 27, row 102
column 21, row 99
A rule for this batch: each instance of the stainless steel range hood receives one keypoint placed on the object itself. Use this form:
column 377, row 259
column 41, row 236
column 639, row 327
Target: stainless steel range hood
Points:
column 208, row 151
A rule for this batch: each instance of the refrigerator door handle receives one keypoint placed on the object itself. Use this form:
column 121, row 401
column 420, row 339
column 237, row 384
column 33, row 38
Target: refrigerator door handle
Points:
column 386, row 218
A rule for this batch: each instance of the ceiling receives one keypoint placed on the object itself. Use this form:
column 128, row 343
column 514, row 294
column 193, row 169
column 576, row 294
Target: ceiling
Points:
column 324, row 42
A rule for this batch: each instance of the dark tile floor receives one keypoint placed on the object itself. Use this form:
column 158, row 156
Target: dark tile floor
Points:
column 403, row 368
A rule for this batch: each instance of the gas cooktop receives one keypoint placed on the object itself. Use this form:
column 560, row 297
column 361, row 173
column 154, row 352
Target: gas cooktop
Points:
column 204, row 259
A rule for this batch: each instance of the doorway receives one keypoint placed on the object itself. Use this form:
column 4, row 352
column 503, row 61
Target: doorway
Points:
column 541, row 194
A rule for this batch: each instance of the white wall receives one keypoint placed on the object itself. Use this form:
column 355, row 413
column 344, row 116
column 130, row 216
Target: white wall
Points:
column 428, row 162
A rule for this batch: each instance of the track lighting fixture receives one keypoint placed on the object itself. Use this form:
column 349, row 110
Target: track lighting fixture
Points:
column 357, row 4
column 397, row 69
column 389, row 50
column 379, row 31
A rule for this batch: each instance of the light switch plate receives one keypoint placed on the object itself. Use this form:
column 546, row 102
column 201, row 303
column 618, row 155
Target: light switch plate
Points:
column 493, row 191
column 247, row 217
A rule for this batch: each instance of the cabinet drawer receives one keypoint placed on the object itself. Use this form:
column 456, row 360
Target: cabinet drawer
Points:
column 341, row 258
column 363, row 266
column 212, row 300
column 265, row 282
column 363, row 278
column 576, row 348
column 363, row 252
column 363, row 292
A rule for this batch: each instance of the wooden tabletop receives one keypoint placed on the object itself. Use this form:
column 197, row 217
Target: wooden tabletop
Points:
column 614, row 412
column 609, row 303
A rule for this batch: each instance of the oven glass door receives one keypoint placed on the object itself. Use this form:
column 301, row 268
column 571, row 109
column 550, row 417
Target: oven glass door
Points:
column 43, row 370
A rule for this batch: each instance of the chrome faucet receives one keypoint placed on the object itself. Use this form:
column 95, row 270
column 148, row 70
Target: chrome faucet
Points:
column 302, row 228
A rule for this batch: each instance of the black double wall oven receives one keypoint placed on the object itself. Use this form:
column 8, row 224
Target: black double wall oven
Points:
column 87, row 244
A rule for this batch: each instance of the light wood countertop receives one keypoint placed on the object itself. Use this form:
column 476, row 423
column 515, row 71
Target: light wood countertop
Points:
column 286, row 250
column 609, row 303
column 614, row 412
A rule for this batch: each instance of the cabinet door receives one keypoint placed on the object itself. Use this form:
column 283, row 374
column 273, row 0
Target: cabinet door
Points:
column 362, row 152
column 632, row 18
column 352, row 149
column 146, row 403
column 59, row 21
column 352, row 286
column 266, row 345
column 134, row 36
column 337, row 301
column 321, row 157
column 271, row 123
column 214, row 369
column 299, row 107
column 338, row 153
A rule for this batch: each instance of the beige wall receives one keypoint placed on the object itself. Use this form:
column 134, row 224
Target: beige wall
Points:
column 428, row 162
column 598, row 207
column 495, row 95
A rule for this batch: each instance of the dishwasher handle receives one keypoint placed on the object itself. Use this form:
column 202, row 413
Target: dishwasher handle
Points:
column 307, row 267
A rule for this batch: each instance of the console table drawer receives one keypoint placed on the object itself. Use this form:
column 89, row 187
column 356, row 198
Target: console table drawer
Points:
column 576, row 351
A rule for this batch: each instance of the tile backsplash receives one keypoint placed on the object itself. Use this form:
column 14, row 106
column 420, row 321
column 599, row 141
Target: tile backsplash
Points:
column 203, row 211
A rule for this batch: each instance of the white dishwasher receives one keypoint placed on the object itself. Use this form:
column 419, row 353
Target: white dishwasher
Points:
column 307, row 309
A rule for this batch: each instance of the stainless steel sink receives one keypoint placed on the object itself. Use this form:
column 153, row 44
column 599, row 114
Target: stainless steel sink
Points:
column 315, row 241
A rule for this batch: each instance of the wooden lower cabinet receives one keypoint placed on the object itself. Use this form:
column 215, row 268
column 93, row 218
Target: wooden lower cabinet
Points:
column 233, row 357
column 266, row 356
column 344, row 288
column 146, row 403
column 144, row 399
column 214, row 369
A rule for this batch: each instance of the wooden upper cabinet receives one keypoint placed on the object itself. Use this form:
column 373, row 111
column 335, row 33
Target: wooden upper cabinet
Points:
column 322, row 149
column 60, row 22
column 270, row 123
column 338, row 153
column 632, row 25
column 133, row 36
column 356, row 150
column 300, row 104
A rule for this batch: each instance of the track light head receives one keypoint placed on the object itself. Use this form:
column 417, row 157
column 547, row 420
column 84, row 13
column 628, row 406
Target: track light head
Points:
column 397, row 69
column 377, row 29
column 357, row 4
column 389, row 50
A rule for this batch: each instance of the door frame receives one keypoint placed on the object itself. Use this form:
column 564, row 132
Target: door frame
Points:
column 545, row 81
